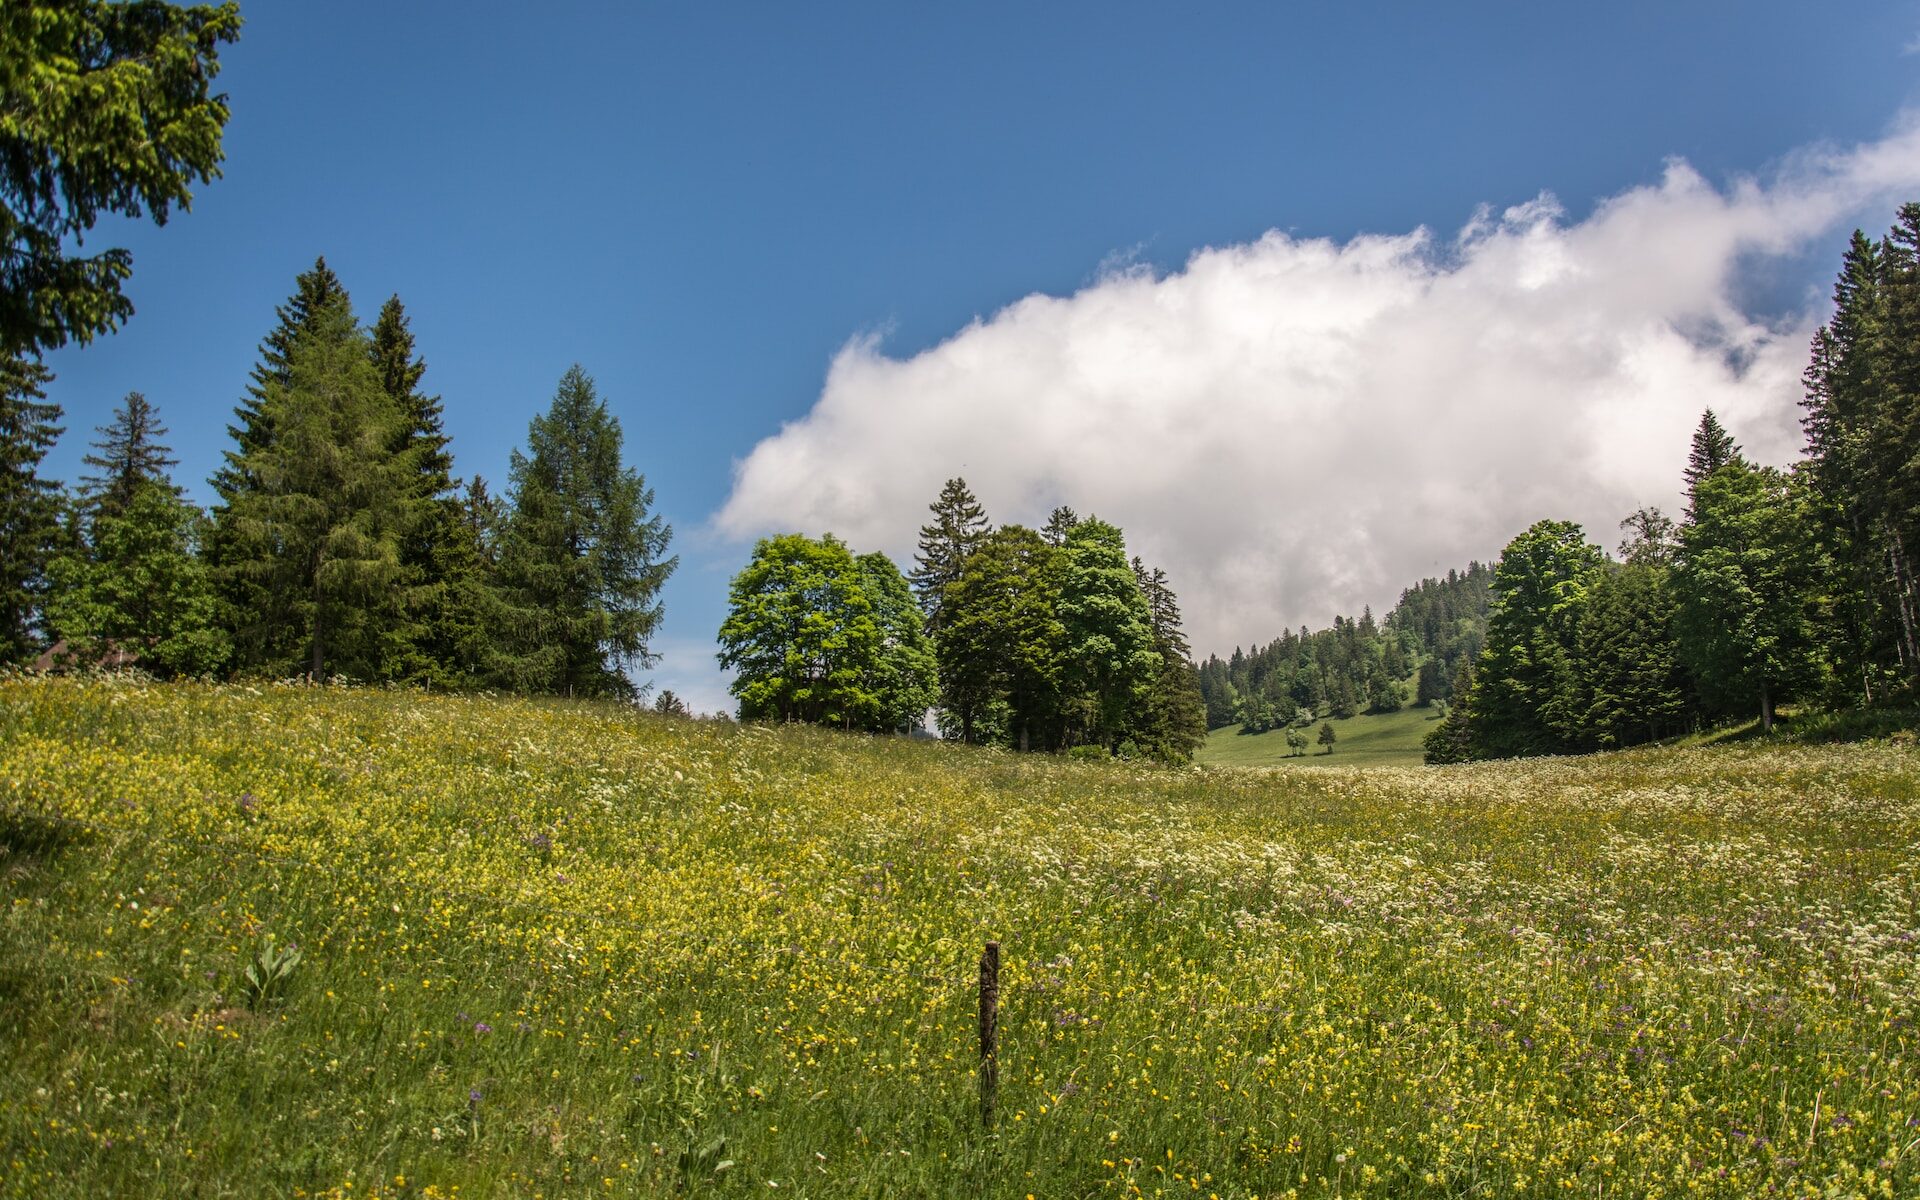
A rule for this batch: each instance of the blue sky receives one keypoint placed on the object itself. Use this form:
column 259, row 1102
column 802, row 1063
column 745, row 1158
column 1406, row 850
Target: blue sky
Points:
column 707, row 206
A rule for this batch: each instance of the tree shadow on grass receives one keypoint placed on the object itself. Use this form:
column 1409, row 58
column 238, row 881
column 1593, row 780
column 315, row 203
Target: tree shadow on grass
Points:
column 27, row 840
column 1812, row 726
column 28, row 845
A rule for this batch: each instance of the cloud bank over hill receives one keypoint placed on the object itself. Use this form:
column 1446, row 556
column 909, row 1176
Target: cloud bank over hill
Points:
column 1293, row 428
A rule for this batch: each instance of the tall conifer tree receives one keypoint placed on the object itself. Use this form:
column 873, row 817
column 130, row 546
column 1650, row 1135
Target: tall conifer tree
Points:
column 262, row 623
column 1526, row 697
column 314, row 289
column 1171, row 719
column 581, row 557
column 129, row 453
column 1060, row 522
column 1631, row 678
column 1861, row 434
column 958, row 525
column 30, row 506
column 1747, row 590
column 314, row 533
column 1713, row 447
column 444, row 581
column 1000, row 650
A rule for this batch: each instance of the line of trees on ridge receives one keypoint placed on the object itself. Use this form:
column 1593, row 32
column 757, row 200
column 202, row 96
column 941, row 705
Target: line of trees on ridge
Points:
column 341, row 545
column 1774, row 585
column 1036, row 640
column 1358, row 665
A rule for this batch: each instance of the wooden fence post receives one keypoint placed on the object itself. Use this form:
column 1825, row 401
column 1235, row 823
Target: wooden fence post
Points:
column 989, row 1030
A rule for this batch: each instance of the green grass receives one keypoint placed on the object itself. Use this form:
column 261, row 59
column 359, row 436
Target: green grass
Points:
column 559, row 949
column 1385, row 739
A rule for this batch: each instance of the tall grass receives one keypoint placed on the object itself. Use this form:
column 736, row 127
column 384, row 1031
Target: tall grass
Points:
column 555, row 949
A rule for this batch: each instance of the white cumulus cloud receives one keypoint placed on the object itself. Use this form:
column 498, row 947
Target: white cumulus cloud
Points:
column 1295, row 427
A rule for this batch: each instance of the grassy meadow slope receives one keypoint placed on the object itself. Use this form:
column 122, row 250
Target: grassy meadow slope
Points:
column 563, row 949
column 1367, row 739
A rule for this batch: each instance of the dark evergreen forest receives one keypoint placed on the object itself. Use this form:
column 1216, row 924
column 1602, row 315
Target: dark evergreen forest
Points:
column 1358, row 665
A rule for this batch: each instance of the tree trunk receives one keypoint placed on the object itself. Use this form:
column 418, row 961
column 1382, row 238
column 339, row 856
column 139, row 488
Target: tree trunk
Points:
column 314, row 674
column 1766, row 708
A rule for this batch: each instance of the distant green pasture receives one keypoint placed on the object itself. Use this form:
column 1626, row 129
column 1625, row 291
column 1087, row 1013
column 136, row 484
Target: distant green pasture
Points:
column 1389, row 739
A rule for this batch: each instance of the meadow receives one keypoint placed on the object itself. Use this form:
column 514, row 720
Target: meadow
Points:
column 1364, row 739
column 551, row 949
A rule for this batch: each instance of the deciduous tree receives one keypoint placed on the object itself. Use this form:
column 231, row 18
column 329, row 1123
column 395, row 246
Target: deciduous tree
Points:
column 800, row 636
column 139, row 587
column 905, row 672
column 1109, row 654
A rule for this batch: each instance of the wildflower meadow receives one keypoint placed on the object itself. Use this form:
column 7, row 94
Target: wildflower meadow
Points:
column 288, row 941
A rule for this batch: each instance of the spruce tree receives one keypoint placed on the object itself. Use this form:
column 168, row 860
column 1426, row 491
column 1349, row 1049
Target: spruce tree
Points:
column 1001, row 650
column 262, row 623
column 1454, row 739
column 1863, row 431
column 1433, row 683
column 423, row 438
column 581, row 555
column 1893, row 436
column 442, row 576
column 1713, row 447
column 129, row 453
column 1526, row 693
column 314, row 290
column 1747, row 591
column 1060, row 522
column 30, row 507
column 1171, row 720
column 958, row 525
column 485, row 517
column 105, row 108
column 1628, row 659
column 313, row 536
